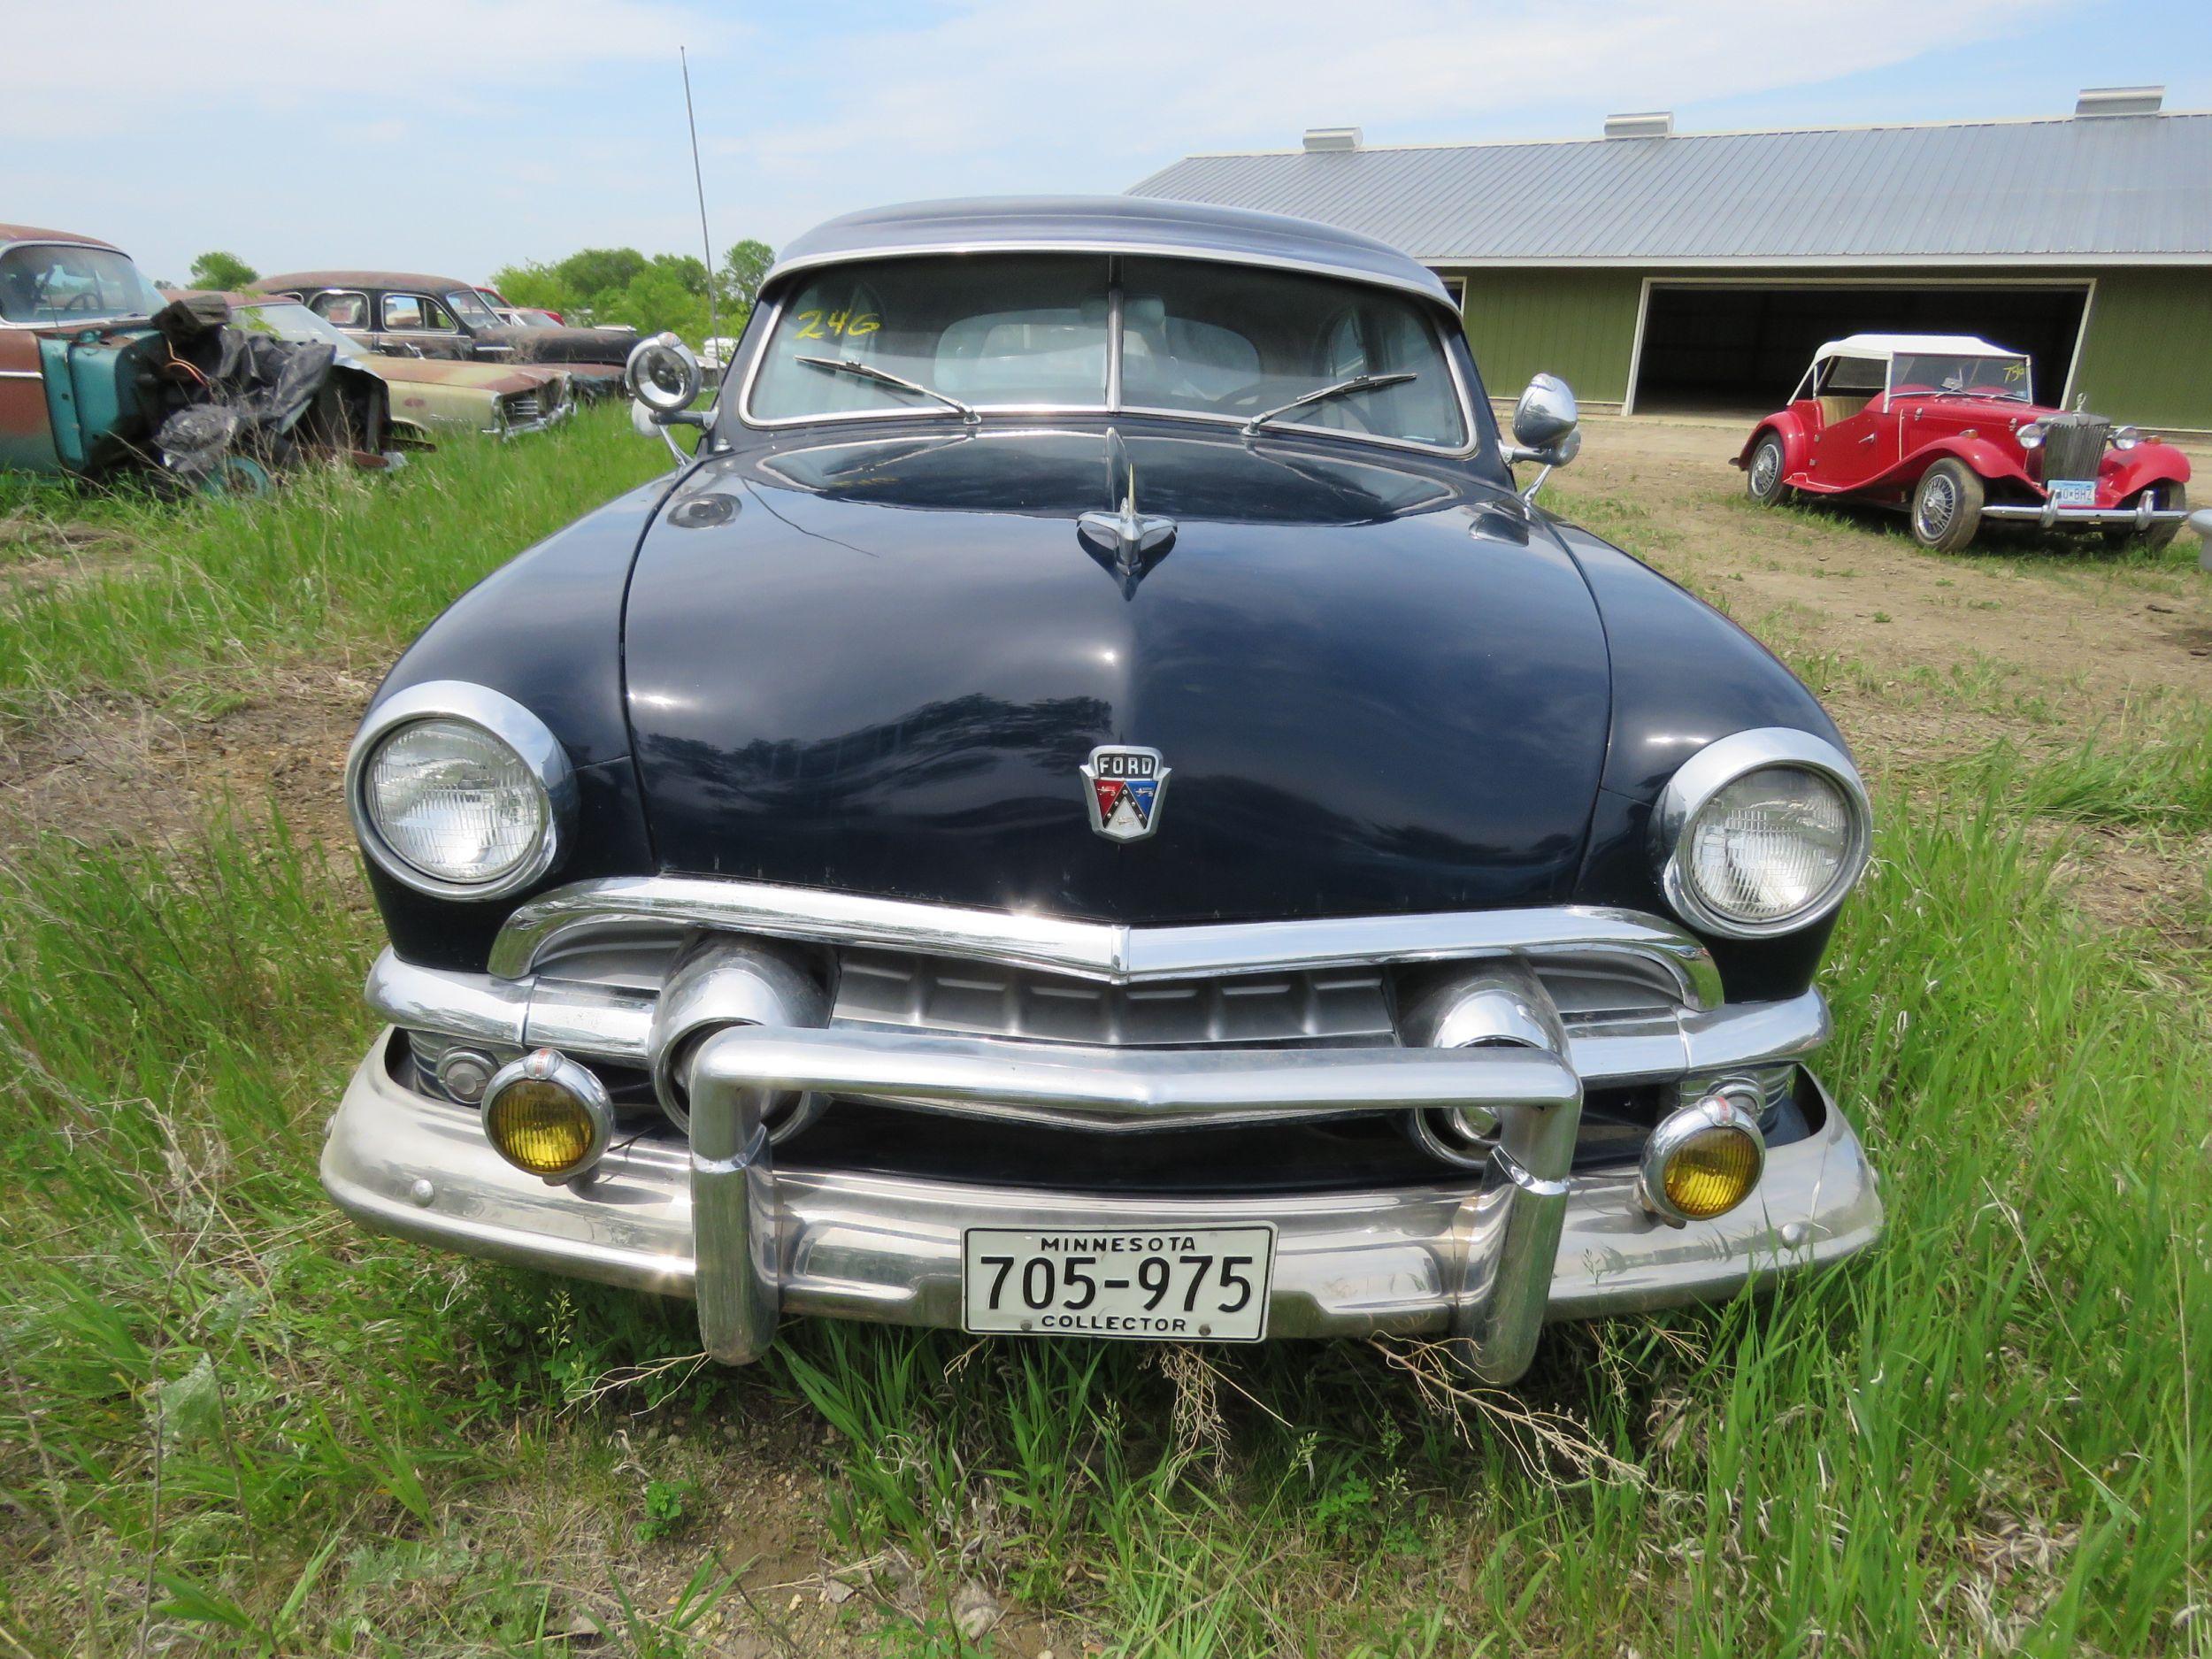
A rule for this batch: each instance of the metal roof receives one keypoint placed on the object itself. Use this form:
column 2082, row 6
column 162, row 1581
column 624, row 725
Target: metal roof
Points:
column 1105, row 224
column 2100, row 190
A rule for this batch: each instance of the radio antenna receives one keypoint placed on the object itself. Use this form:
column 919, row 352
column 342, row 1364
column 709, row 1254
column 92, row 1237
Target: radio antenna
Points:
column 698, row 180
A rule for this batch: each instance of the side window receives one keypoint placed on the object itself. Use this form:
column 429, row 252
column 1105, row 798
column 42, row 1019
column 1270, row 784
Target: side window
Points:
column 342, row 310
column 1847, row 385
column 418, row 313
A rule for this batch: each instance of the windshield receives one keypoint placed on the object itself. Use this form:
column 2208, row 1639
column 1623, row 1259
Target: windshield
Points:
column 469, row 306
column 534, row 319
column 287, row 319
column 60, row 282
column 1197, row 337
column 1927, row 374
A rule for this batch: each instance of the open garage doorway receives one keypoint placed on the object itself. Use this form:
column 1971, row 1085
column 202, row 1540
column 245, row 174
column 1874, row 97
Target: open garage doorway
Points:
column 1737, row 347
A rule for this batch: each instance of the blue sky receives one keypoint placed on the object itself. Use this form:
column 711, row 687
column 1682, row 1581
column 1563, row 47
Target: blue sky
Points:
column 458, row 136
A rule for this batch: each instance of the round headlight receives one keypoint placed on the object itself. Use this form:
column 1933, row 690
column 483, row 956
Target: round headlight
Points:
column 453, row 801
column 1762, row 833
column 1769, row 846
column 459, row 791
column 2126, row 438
column 2031, row 436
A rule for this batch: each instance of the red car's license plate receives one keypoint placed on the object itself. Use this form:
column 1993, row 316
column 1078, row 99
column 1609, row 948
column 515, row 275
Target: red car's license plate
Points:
column 2073, row 492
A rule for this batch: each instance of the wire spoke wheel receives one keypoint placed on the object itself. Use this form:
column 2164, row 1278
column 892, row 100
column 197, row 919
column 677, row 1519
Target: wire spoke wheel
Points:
column 1764, row 483
column 1939, row 505
column 1946, row 506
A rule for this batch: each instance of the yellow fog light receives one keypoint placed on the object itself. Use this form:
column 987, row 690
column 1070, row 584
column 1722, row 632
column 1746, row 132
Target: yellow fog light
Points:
column 548, row 1115
column 1704, row 1160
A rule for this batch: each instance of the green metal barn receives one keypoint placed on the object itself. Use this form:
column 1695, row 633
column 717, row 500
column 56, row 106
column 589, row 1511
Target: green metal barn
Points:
column 1665, row 271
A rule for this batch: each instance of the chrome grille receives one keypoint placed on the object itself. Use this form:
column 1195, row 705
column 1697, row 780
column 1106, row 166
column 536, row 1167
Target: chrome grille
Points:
column 916, row 993
column 2074, row 445
column 901, row 991
column 522, row 409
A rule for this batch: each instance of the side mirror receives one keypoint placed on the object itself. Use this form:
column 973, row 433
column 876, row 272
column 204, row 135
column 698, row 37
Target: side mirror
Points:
column 1544, row 416
column 1547, row 428
column 661, row 374
column 664, row 380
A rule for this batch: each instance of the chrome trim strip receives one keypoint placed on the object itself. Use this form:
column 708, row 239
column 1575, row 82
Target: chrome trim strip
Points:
column 1133, row 1090
column 889, row 1249
column 1096, row 950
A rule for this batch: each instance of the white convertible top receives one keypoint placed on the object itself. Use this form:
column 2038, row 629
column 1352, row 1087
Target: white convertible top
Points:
column 1885, row 346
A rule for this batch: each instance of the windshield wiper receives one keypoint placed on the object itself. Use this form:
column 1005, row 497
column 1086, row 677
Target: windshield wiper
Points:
column 1342, row 388
column 884, row 377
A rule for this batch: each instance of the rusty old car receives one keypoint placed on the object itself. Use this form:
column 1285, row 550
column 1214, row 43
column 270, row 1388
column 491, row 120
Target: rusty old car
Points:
column 103, row 374
column 410, row 314
column 1095, row 805
column 1947, row 428
column 500, row 400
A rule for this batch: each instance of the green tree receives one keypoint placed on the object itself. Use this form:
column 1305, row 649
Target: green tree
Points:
column 596, row 270
column 535, row 285
column 218, row 269
column 690, row 271
column 743, row 268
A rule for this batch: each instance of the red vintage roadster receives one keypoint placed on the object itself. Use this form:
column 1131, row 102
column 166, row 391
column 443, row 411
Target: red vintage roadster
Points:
column 1947, row 425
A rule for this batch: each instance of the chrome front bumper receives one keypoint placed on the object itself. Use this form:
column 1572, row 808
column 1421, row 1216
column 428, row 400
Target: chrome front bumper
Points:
column 1485, row 1259
column 2048, row 515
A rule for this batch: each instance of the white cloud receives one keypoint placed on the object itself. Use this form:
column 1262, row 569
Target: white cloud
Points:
column 1160, row 76
column 129, row 64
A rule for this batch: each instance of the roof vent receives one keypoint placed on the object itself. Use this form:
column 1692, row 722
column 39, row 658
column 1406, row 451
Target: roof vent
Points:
column 1641, row 124
column 2119, row 100
column 1332, row 138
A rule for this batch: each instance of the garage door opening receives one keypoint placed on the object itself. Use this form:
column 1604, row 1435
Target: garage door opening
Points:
column 1737, row 349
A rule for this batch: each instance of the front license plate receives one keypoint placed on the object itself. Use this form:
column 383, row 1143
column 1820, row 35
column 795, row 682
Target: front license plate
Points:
column 2073, row 492
column 1163, row 1283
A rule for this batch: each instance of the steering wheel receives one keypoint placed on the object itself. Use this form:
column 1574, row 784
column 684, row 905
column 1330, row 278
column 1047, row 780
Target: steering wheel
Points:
column 83, row 300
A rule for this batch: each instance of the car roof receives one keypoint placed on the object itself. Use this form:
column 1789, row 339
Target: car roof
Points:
column 1933, row 345
column 361, row 280
column 32, row 232
column 1106, row 224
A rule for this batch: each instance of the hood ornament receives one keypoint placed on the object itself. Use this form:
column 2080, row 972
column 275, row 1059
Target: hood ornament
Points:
column 1124, row 787
column 1125, row 543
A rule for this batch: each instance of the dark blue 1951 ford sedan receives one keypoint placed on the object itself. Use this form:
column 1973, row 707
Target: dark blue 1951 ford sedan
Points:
column 1092, row 806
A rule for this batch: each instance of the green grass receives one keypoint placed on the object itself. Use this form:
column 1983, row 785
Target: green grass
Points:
column 230, row 1423
column 2150, row 770
column 342, row 565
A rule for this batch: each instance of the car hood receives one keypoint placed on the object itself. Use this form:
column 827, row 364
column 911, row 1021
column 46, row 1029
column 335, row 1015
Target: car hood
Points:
column 879, row 666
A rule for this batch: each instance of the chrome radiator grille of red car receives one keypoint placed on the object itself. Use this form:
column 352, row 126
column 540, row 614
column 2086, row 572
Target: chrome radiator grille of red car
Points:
column 2073, row 445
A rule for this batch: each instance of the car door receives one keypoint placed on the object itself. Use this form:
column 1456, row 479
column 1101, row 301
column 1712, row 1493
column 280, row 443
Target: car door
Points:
column 1858, row 435
column 26, row 436
column 412, row 324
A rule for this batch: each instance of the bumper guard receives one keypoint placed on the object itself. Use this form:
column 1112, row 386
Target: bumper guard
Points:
column 1485, row 1260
